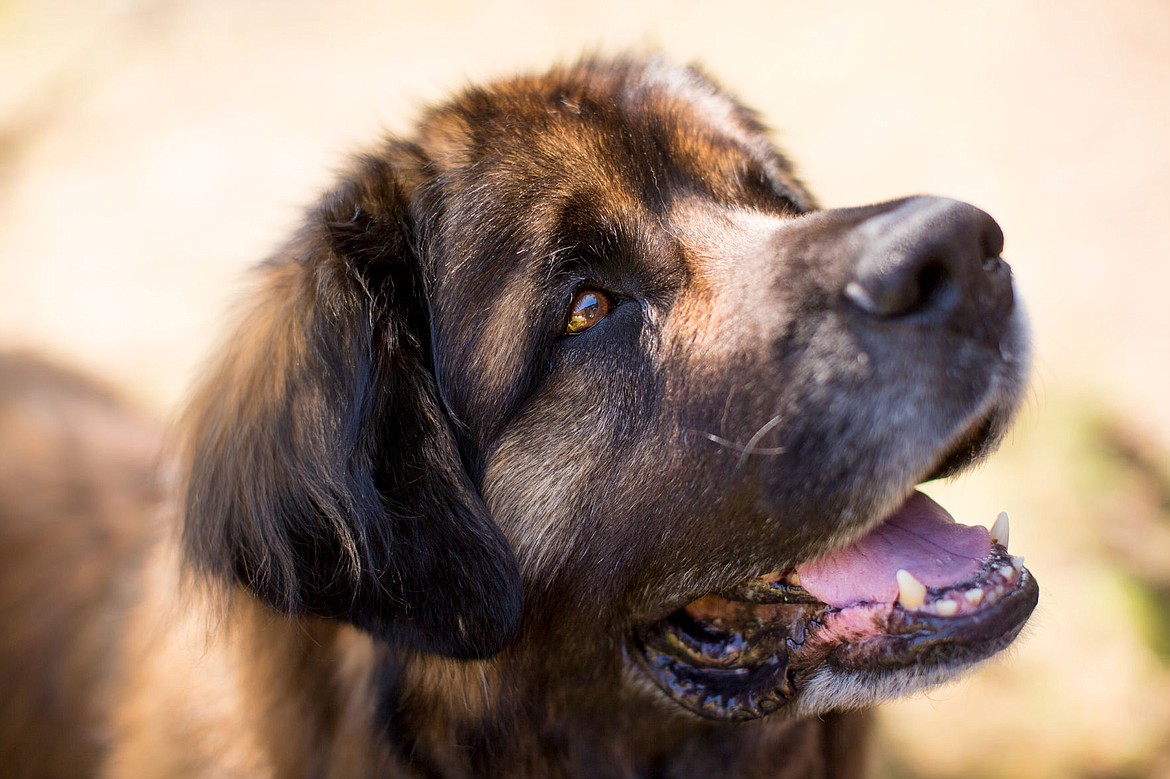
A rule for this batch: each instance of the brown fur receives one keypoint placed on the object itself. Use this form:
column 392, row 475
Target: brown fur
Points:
column 417, row 529
column 79, row 502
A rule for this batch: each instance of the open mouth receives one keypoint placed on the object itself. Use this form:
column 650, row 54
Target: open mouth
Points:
column 919, row 597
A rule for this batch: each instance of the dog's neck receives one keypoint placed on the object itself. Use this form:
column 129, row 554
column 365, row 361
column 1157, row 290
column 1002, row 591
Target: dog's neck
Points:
column 481, row 719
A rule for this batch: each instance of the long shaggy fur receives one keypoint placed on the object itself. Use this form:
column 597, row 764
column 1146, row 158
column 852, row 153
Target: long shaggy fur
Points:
column 415, row 524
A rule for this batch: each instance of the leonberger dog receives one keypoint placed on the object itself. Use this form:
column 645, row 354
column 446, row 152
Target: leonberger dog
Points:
column 566, row 438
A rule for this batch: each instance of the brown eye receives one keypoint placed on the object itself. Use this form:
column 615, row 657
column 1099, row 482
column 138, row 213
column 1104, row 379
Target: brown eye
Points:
column 588, row 308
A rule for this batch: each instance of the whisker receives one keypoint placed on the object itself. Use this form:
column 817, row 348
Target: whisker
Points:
column 742, row 448
column 750, row 447
column 759, row 435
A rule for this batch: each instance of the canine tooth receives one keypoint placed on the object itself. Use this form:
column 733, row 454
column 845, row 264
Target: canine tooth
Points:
column 974, row 597
column 946, row 607
column 794, row 579
column 911, row 592
column 1018, row 562
column 1007, row 572
column 1000, row 531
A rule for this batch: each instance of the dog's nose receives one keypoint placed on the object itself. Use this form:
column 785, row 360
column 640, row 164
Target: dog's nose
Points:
column 931, row 258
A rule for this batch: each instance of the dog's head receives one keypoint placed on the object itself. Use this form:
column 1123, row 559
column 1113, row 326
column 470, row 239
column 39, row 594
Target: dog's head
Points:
column 587, row 338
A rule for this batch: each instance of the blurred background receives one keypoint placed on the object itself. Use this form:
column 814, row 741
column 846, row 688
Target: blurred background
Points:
column 150, row 151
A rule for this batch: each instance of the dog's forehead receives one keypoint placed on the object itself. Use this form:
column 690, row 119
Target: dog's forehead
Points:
column 527, row 169
column 634, row 130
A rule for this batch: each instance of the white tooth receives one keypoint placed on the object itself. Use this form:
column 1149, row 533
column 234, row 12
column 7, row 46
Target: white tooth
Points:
column 1007, row 572
column 1018, row 563
column 974, row 597
column 911, row 592
column 1000, row 532
column 946, row 607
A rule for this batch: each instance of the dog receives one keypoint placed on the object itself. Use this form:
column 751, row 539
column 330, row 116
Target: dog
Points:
column 566, row 438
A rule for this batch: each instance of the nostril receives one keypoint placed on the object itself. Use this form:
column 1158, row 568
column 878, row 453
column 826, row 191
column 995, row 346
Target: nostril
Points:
column 934, row 286
column 893, row 289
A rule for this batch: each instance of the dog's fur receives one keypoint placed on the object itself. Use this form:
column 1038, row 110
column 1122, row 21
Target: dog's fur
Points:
column 415, row 524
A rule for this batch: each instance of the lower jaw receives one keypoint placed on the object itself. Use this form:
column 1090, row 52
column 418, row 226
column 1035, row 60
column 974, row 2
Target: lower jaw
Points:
column 808, row 658
column 919, row 639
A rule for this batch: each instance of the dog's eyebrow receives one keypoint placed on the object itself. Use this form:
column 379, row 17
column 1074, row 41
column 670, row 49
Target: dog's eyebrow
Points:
column 584, row 236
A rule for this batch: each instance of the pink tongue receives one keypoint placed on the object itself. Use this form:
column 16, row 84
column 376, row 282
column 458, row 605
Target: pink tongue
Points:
column 920, row 537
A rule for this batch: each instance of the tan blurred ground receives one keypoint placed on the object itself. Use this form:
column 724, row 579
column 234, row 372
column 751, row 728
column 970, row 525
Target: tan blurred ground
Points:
column 150, row 151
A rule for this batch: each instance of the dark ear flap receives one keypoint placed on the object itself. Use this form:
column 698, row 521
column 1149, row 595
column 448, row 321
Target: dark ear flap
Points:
column 322, row 473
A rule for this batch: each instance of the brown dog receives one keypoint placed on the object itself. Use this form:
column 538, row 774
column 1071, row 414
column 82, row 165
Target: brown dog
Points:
column 567, row 438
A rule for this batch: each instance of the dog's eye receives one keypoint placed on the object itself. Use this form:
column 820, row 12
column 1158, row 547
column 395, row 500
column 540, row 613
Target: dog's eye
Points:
column 589, row 307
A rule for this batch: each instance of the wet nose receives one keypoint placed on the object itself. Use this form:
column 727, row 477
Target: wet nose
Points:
column 930, row 259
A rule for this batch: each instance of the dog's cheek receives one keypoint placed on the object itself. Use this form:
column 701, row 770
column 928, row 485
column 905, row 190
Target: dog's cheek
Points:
column 536, row 481
column 553, row 482
column 532, row 487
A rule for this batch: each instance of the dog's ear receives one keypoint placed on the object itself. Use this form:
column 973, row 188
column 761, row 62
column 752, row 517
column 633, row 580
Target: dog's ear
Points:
column 322, row 472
